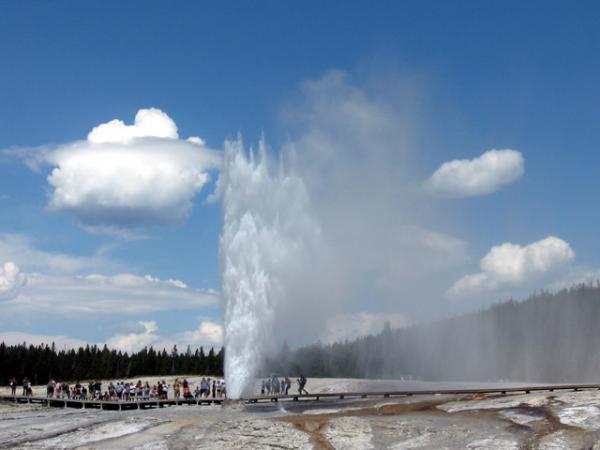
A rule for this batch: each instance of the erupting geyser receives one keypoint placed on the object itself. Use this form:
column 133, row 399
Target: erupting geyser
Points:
column 267, row 229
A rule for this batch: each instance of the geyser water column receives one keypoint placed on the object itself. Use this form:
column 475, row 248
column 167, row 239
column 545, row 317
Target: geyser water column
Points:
column 267, row 230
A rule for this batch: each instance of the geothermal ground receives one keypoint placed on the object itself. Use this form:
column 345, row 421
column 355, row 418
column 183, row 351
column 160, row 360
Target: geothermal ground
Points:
column 549, row 420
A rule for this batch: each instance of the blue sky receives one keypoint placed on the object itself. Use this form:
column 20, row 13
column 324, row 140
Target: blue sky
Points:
column 475, row 76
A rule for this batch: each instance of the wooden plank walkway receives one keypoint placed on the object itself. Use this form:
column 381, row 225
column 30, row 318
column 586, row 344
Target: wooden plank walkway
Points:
column 154, row 403
column 110, row 404
column 389, row 394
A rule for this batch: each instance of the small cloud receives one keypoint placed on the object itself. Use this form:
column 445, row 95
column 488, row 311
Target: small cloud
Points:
column 510, row 265
column 479, row 176
column 207, row 333
column 133, row 342
column 11, row 280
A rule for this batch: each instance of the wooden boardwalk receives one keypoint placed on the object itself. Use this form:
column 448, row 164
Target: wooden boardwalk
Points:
column 110, row 404
column 389, row 394
column 154, row 403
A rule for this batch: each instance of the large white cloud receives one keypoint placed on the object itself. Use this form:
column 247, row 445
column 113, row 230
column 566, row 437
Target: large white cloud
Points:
column 511, row 265
column 127, row 175
column 479, row 176
column 11, row 280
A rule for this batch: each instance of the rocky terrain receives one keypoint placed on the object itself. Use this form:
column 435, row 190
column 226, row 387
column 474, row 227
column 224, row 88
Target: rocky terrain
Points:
column 548, row 420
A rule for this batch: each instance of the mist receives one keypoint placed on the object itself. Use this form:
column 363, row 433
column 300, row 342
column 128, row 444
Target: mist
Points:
column 548, row 338
column 333, row 225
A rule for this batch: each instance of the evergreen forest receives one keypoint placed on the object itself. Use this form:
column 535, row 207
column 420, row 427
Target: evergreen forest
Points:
column 44, row 362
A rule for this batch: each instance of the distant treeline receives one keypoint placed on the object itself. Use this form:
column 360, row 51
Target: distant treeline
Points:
column 550, row 337
column 43, row 362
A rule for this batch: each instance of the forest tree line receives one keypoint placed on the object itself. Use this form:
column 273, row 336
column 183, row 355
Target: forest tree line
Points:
column 550, row 337
column 44, row 362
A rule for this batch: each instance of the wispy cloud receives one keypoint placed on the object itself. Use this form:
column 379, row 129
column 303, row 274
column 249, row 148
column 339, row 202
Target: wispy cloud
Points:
column 23, row 251
column 124, row 294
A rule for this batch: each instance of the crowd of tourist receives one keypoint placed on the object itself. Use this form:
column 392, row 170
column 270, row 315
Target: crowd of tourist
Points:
column 275, row 386
column 129, row 391
column 126, row 391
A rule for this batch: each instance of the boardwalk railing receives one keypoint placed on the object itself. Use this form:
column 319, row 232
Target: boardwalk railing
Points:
column 110, row 404
column 388, row 394
column 155, row 403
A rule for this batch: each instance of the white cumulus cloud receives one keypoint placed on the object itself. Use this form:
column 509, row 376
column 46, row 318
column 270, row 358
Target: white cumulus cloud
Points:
column 125, row 176
column 482, row 175
column 511, row 265
column 148, row 123
column 207, row 333
column 133, row 342
column 11, row 280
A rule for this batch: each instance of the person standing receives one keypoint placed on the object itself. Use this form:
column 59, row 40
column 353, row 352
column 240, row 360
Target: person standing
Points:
column 13, row 386
column 25, row 383
column 50, row 389
column 214, row 389
column 165, row 390
column 176, row 388
column 301, row 384
column 288, row 385
column 186, row 389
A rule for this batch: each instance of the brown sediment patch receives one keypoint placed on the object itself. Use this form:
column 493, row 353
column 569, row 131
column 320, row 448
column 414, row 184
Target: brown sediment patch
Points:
column 314, row 427
column 315, row 424
column 533, row 432
column 544, row 424
column 551, row 424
